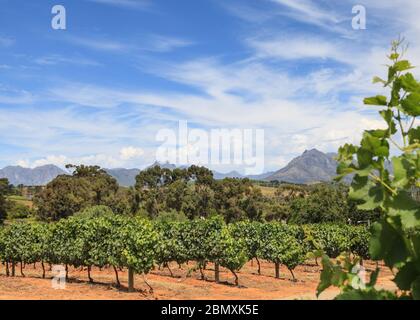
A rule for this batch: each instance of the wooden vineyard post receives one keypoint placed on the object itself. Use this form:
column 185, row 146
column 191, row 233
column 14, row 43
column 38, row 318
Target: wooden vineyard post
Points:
column 277, row 265
column 216, row 273
column 130, row 280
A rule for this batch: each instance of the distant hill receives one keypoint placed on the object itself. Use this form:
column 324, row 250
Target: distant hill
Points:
column 31, row 177
column 262, row 176
column 232, row 174
column 312, row 166
column 125, row 177
column 236, row 174
column 165, row 165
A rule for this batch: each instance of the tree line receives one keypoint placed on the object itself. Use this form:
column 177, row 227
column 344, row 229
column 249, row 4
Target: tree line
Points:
column 189, row 193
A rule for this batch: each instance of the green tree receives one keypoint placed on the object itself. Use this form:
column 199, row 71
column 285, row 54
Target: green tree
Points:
column 4, row 190
column 63, row 197
column 68, row 194
column 18, row 210
column 101, row 183
column 324, row 203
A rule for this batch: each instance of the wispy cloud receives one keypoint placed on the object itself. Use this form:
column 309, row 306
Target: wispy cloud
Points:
column 158, row 43
column 295, row 47
column 55, row 59
column 15, row 97
column 247, row 12
column 98, row 43
column 131, row 4
column 149, row 43
column 308, row 12
column 6, row 42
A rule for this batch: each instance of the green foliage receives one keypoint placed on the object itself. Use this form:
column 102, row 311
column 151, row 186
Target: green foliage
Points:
column 172, row 246
column 344, row 273
column 250, row 232
column 63, row 197
column 328, row 203
column 4, row 191
column 66, row 195
column 324, row 204
column 238, row 199
column 282, row 244
column 84, row 240
column 396, row 237
column 194, row 192
column 139, row 244
column 22, row 242
column 97, row 237
column 335, row 239
column 18, row 210
column 95, row 211
column 331, row 239
column 220, row 247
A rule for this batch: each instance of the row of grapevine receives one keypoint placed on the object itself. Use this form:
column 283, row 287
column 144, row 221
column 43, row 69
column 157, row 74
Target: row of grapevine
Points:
column 108, row 240
column 140, row 245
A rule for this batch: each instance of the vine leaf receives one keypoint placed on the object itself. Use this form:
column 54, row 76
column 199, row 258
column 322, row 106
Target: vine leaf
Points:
column 415, row 287
column 411, row 104
column 406, row 275
column 406, row 209
column 387, row 244
column 376, row 101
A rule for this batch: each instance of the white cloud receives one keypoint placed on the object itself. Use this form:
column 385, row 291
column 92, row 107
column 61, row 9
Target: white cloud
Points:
column 294, row 47
column 129, row 153
column 122, row 159
column 23, row 163
column 60, row 161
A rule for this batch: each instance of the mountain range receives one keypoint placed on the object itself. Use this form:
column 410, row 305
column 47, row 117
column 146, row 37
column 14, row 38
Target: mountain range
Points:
column 38, row 176
column 310, row 167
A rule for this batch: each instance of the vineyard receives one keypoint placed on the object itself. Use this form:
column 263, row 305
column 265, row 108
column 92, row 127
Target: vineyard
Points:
column 139, row 245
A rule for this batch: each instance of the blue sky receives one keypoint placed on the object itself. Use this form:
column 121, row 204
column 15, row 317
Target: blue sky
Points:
column 99, row 91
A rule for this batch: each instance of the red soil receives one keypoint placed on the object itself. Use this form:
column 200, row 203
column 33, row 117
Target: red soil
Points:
column 252, row 286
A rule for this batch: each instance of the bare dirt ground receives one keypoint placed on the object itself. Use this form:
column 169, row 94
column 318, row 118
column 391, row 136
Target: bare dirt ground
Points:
column 179, row 287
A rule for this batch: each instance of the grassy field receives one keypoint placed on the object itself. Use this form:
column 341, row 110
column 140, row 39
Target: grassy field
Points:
column 21, row 200
column 268, row 191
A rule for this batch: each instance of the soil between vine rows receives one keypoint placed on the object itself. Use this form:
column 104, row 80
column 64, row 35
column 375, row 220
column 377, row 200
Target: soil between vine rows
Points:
column 252, row 285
